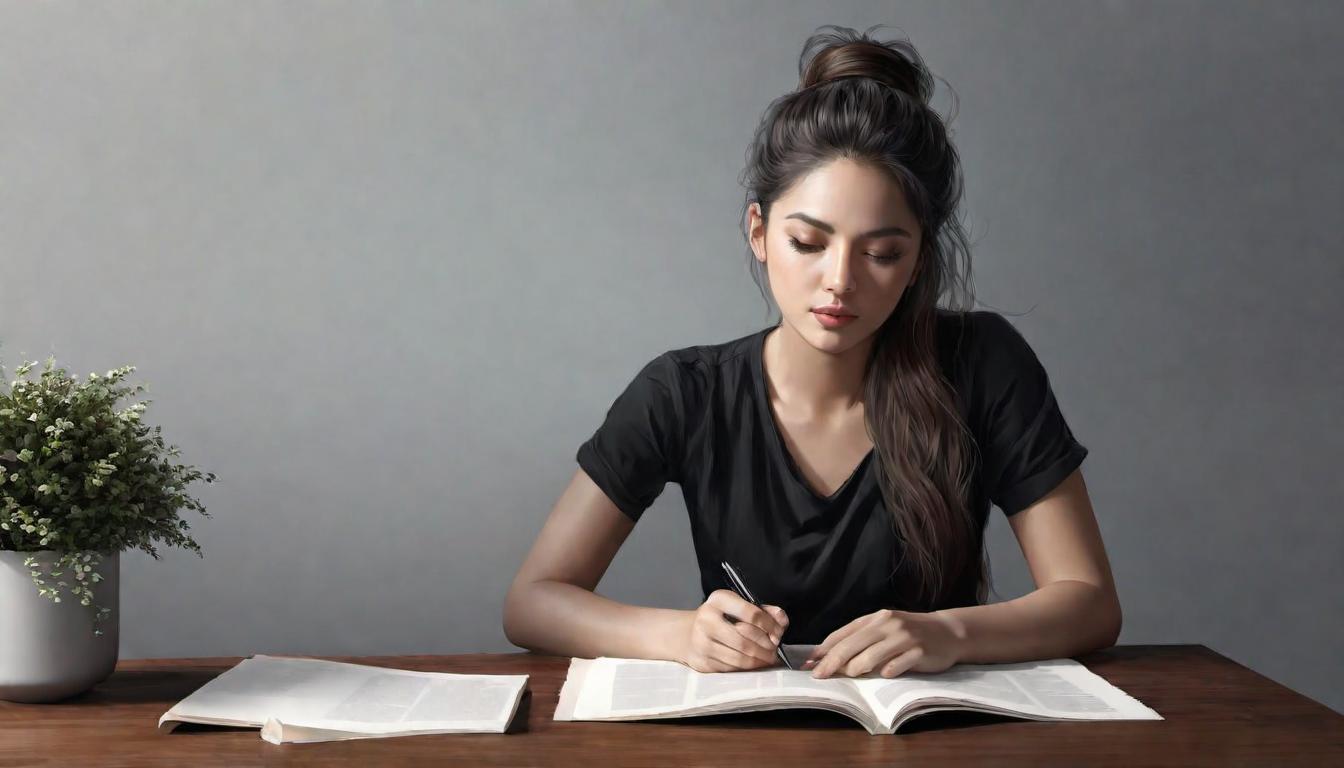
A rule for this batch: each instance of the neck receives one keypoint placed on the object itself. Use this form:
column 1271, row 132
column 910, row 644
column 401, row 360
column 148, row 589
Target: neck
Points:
column 812, row 382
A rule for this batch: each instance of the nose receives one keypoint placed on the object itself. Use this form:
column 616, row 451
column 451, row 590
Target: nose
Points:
column 839, row 276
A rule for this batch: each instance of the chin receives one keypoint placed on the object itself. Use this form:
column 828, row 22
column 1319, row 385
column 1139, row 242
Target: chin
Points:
column 834, row 341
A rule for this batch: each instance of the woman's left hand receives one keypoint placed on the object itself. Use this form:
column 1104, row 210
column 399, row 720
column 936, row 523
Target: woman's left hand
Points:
column 890, row 641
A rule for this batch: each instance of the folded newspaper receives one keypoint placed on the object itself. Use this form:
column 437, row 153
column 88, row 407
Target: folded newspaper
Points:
column 303, row 700
column 636, row 689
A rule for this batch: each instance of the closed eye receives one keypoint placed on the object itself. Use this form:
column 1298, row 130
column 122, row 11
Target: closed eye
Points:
column 882, row 258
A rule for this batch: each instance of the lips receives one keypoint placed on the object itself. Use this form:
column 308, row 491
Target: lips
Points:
column 834, row 311
column 828, row 320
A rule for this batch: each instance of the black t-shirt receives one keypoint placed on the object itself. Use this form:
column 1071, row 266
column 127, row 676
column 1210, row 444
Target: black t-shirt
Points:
column 700, row 417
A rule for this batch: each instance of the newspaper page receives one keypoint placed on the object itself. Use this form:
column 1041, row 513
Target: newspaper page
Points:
column 298, row 699
column 1055, row 689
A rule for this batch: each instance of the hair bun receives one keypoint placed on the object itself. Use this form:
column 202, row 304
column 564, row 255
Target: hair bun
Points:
column 843, row 52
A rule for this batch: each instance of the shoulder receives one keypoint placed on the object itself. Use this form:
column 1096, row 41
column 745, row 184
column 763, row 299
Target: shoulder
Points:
column 988, row 361
column 978, row 325
column 701, row 365
column 982, row 340
column 679, row 384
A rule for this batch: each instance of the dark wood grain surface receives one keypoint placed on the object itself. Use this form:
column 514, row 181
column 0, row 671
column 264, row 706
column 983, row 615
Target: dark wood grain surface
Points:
column 1217, row 713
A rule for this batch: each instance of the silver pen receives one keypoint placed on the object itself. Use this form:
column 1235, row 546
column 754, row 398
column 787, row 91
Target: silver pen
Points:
column 740, row 588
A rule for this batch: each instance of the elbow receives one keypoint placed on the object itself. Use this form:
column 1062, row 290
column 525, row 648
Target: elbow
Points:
column 1111, row 636
column 524, row 615
column 514, row 614
column 1099, row 619
column 1113, row 620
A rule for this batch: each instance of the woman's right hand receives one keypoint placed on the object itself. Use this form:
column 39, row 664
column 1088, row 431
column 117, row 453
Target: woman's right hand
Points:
column 712, row 643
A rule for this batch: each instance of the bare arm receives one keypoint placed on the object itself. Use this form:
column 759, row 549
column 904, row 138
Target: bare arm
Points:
column 1075, row 608
column 551, row 606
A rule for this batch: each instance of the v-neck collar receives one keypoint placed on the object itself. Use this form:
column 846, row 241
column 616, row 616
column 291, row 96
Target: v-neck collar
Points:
column 767, row 416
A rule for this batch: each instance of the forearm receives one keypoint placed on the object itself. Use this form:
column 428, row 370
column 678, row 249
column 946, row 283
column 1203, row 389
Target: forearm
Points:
column 1058, row 620
column 563, row 619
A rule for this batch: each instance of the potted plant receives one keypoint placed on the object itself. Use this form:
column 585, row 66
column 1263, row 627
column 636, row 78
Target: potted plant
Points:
column 80, row 481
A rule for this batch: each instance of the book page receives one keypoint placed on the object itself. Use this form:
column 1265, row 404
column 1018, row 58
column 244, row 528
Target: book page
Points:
column 1051, row 689
column 612, row 688
column 352, row 698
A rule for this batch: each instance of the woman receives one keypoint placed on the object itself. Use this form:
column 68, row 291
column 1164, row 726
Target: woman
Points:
column 845, row 459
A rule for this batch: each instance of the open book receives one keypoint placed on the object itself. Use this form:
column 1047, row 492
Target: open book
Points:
column 297, row 699
column 637, row 689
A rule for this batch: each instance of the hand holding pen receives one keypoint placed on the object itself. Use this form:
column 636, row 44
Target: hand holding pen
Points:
column 740, row 587
column 729, row 633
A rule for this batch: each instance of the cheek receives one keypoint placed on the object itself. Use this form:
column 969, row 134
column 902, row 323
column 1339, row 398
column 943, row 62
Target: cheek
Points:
column 791, row 274
column 894, row 281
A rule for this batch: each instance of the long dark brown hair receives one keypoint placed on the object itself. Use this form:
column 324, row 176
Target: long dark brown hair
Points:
column 868, row 100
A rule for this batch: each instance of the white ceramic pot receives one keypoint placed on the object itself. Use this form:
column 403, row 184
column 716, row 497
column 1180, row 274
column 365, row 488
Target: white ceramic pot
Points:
column 48, row 650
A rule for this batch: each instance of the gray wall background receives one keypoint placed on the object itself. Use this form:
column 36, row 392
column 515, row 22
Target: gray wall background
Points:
column 384, row 265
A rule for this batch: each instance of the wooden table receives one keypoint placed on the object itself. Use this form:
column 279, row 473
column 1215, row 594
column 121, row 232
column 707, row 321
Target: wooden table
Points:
column 1217, row 713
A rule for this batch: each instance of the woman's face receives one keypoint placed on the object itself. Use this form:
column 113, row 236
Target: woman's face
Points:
column 842, row 236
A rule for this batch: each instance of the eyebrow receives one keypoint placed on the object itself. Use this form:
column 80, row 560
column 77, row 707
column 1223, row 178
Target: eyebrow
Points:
column 823, row 226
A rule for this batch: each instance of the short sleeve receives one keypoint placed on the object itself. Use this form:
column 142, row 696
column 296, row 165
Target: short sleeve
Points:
column 1026, row 445
column 635, row 451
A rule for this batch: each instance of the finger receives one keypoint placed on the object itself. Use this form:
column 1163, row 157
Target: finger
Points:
column 731, row 603
column 751, row 632
column 843, row 633
column 779, row 616
column 725, row 600
column 836, row 637
column 712, row 664
column 755, row 636
column 843, row 651
column 762, row 619
column 902, row 664
column 734, row 637
column 732, row 658
column 875, row 656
